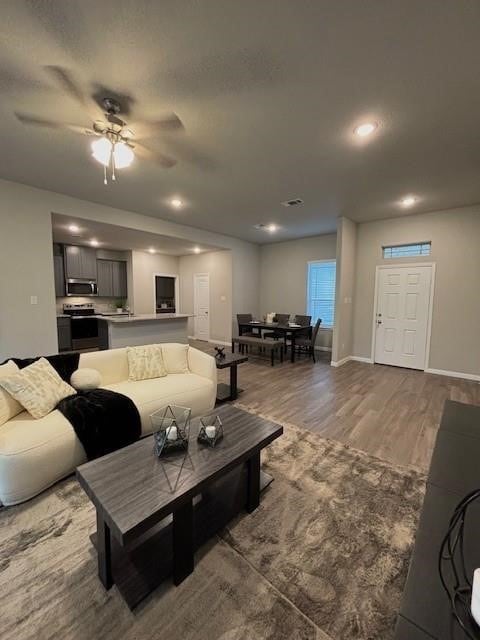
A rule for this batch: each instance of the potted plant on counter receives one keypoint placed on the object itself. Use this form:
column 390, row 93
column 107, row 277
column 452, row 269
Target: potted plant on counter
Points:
column 119, row 305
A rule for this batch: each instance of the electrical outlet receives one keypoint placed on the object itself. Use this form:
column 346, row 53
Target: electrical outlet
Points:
column 33, row 300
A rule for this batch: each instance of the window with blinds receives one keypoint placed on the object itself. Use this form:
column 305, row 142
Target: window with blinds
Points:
column 321, row 291
column 407, row 250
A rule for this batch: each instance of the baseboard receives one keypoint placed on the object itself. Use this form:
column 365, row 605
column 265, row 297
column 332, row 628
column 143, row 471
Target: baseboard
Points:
column 221, row 342
column 338, row 363
column 454, row 374
column 361, row 359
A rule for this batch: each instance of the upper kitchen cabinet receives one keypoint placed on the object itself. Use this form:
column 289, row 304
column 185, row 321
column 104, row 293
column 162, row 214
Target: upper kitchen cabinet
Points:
column 112, row 278
column 80, row 262
column 59, row 276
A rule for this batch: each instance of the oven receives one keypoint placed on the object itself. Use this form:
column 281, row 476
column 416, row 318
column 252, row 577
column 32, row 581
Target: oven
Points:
column 84, row 325
column 78, row 287
column 84, row 332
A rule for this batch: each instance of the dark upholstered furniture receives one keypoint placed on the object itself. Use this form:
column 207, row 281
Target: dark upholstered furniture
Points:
column 263, row 344
column 307, row 344
column 426, row 611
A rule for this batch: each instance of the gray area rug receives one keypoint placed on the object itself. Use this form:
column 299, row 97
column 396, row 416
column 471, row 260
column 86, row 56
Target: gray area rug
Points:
column 324, row 557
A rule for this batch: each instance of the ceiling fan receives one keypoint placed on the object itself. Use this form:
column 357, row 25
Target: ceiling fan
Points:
column 115, row 143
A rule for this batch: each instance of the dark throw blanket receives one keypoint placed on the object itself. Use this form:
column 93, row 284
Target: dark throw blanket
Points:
column 103, row 420
column 63, row 363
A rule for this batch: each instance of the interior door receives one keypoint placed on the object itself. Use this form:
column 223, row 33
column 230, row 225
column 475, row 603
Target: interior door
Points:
column 202, row 305
column 402, row 316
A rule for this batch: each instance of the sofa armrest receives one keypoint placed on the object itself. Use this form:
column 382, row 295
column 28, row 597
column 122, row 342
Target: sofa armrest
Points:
column 202, row 364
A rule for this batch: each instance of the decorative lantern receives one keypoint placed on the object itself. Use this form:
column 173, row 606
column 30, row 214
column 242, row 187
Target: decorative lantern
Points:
column 211, row 430
column 171, row 428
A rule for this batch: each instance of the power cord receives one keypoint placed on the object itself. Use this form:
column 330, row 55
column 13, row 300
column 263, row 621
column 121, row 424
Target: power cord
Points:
column 452, row 552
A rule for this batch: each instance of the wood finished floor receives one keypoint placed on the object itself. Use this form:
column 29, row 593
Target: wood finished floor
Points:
column 388, row 412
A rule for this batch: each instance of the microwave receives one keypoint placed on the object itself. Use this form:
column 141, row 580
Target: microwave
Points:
column 79, row 287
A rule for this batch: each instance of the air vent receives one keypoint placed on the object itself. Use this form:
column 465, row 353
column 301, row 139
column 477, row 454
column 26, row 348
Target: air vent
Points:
column 292, row 203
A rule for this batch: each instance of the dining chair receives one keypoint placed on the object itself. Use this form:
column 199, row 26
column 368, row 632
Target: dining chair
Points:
column 308, row 344
column 304, row 321
column 281, row 318
column 245, row 318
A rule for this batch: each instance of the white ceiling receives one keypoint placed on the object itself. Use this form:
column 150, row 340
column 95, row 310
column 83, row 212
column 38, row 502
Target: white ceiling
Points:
column 113, row 237
column 269, row 93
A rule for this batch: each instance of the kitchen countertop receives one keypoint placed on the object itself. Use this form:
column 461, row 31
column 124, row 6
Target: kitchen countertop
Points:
column 151, row 317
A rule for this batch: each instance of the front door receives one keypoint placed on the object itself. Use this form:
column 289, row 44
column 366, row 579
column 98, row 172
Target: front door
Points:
column 202, row 305
column 402, row 315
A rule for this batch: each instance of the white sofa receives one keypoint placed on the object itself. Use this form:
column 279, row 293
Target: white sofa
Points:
column 35, row 454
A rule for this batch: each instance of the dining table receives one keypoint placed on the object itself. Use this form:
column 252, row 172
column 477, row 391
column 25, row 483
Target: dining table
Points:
column 290, row 330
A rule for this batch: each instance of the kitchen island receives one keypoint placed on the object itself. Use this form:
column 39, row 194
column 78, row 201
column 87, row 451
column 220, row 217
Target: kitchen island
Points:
column 130, row 331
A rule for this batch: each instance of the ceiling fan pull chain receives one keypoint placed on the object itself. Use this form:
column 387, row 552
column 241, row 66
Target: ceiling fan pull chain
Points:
column 113, row 167
column 105, row 175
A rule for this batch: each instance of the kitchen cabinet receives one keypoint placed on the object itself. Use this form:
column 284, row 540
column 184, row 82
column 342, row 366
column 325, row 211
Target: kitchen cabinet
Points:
column 59, row 276
column 64, row 333
column 119, row 273
column 112, row 278
column 80, row 262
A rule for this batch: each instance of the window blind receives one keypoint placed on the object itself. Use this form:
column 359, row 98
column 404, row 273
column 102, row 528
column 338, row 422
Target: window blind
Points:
column 321, row 291
column 407, row 250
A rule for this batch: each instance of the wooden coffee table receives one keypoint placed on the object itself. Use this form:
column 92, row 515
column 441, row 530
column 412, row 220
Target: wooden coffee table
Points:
column 153, row 513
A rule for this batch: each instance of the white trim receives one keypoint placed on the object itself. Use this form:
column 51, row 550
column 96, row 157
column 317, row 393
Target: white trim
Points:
column 221, row 342
column 430, row 304
column 195, row 276
column 339, row 363
column 361, row 359
column 454, row 374
column 177, row 290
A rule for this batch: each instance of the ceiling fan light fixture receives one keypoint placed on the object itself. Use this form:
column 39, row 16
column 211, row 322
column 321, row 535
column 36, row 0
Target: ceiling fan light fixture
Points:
column 123, row 155
column 102, row 150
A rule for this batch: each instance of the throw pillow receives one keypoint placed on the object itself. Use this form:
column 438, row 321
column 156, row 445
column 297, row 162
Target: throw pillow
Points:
column 145, row 362
column 175, row 357
column 86, row 379
column 38, row 388
column 9, row 407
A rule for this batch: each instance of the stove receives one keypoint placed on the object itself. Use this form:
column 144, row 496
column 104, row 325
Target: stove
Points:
column 79, row 310
column 84, row 325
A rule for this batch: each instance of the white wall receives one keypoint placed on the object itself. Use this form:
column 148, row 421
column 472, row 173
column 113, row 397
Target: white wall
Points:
column 218, row 264
column 455, row 236
column 144, row 266
column 283, row 276
column 342, row 345
column 26, row 261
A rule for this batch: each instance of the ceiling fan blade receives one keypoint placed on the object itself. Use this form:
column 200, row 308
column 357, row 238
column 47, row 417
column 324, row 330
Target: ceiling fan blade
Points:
column 154, row 156
column 146, row 128
column 66, row 81
column 25, row 118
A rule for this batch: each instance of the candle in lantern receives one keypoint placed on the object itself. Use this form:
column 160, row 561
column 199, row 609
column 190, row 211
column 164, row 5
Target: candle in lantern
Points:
column 210, row 431
column 172, row 433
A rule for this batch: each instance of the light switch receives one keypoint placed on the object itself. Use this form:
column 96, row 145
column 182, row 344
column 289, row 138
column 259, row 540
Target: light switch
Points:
column 33, row 300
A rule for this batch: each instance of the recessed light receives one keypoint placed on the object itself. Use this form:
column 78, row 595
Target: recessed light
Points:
column 94, row 242
column 365, row 129
column 196, row 249
column 266, row 227
column 151, row 250
column 408, row 201
column 73, row 228
column 176, row 203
